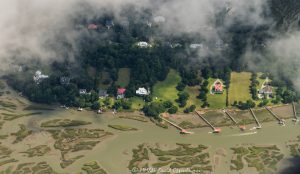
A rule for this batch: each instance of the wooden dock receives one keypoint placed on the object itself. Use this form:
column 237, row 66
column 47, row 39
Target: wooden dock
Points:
column 227, row 113
column 255, row 118
column 280, row 121
column 215, row 130
column 183, row 131
column 295, row 112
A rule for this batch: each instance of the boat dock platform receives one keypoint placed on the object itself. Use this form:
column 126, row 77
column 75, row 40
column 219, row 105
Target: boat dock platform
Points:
column 215, row 130
column 256, row 120
column 182, row 131
column 280, row 121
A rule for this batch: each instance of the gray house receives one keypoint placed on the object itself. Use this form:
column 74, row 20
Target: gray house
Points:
column 102, row 93
column 64, row 80
column 266, row 91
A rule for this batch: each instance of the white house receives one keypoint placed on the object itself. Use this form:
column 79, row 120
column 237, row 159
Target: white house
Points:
column 159, row 19
column 219, row 44
column 142, row 91
column 194, row 46
column 38, row 77
column 143, row 45
column 64, row 80
column 82, row 91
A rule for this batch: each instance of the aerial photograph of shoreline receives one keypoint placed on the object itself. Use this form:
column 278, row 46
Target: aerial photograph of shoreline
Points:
column 150, row 86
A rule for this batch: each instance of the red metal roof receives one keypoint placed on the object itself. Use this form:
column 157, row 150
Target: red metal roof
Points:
column 121, row 90
column 217, row 130
column 218, row 87
column 92, row 26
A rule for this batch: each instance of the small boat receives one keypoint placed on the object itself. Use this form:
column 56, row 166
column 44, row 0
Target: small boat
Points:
column 99, row 111
column 79, row 109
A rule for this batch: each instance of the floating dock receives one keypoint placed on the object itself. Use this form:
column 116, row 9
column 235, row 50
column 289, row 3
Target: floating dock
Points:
column 182, row 131
column 280, row 121
column 256, row 120
column 295, row 113
column 215, row 129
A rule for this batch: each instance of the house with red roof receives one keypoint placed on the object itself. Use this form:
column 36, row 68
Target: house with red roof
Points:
column 121, row 93
column 92, row 27
column 217, row 87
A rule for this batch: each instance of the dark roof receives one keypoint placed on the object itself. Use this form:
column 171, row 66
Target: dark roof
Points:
column 109, row 23
column 64, row 80
column 102, row 93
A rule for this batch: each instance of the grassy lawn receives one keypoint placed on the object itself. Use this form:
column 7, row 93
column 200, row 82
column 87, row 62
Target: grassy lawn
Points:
column 193, row 92
column 123, row 77
column 261, row 81
column 216, row 101
column 239, row 87
column 104, row 76
column 166, row 90
column 137, row 103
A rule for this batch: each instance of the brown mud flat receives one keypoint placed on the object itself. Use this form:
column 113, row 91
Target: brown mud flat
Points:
column 75, row 140
column 166, row 158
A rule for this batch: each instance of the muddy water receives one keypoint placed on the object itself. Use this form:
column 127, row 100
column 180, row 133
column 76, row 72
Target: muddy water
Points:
column 114, row 153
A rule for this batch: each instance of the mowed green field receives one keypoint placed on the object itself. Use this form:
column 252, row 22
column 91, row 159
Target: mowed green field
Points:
column 166, row 90
column 239, row 87
column 104, row 76
column 137, row 103
column 193, row 92
column 123, row 77
column 216, row 101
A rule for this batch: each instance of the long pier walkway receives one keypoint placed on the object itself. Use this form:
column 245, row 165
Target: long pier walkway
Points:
column 216, row 130
column 183, row 131
column 295, row 113
column 255, row 118
column 227, row 113
column 280, row 121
